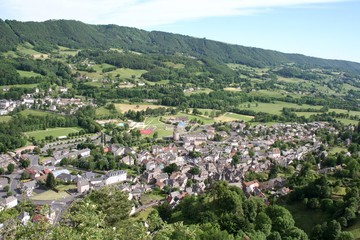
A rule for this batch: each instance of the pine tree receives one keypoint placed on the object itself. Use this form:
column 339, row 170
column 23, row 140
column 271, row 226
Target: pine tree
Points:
column 50, row 181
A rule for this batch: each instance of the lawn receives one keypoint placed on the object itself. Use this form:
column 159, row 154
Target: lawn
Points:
column 335, row 150
column 100, row 67
column 355, row 229
column 124, row 107
column 292, row 80
column 268, row 93
column 204, row 90
column 55, row 132
column 204, row 119
column 273, row 108
column 66, row 187
column 28, row 112
column 127, row 73
column 28, row 74
column 4, row 119
column 102, row 111
column 305, row 218
column 347, row 121
column 31, row 85
column 50, row 195
column 306, row 114
column 149, row 197
column 142, row 216
column 228, row 117
column 162, row 82
column 27, row 50
column 232, row 89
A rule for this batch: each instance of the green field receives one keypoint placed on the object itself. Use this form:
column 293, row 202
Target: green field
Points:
column 355, row 229
column 149, row 197
column 268, row 93
column 4, row 119
column 232, row 89
column 228, row 117
column 337, row 150
column 127, row 73
column 154, row 122
column 306, row 218
column 67, row 51
column 55, row 132
column 28, row 74
column 31, row 85
column 27, row 50
column 50, row 195
column 204, row 119
column 102, row 111
column 142, row 216
column 347, row 121
column 204, row 90
column 28, row 112
column 66, row 187
column 274, row 108
column 162, row 82
column 354, row 113
column 100, row 67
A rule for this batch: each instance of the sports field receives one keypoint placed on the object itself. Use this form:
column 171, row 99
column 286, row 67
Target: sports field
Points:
column 55, row 132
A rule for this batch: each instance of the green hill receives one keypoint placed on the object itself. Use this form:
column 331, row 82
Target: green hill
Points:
column 47, row 35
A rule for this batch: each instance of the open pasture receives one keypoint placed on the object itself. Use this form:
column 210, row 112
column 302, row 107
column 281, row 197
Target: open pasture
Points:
column 55, row 132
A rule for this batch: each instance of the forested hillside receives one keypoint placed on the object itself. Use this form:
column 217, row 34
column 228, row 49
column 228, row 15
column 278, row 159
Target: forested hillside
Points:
column 46, row 36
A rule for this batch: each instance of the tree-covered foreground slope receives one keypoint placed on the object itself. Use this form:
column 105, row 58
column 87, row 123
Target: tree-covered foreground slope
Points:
column 47, row 35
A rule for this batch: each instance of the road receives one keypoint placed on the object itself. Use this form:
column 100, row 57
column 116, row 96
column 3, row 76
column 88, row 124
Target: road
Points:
column 14, row 182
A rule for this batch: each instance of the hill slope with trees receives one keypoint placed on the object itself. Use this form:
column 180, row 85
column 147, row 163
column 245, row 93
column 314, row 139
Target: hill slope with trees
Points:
column 74, row 34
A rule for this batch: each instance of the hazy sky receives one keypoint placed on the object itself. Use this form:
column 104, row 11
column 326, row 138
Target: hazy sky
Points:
column 322, row 28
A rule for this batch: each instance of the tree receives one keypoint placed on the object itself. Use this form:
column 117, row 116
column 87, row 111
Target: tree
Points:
column 155, row 135
column 50, row 181
column 346, row 236
column 235, row 160
column 196, row 112
column 154, row 221
column 25, row 163
column 9, row 193
column 194, row 171
column 263, row 223
column 171, row 168
column 11, row 168
column 24, row 175
column 2, row 171
column 274, row 236
column 6, row 188
column 331, row 230
column 281, row 218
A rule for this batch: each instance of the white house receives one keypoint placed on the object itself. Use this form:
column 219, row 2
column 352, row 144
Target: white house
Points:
column 4, row 104
column 84, row 153
column 115, row 177
column 60, row 171
column 10, row 202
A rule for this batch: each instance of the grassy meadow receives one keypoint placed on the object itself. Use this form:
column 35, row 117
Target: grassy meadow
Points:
column 55, row 132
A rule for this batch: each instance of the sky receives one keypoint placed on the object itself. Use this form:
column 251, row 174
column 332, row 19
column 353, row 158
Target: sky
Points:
column 320, row 28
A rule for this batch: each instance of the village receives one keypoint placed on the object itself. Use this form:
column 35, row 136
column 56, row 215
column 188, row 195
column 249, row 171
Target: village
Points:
column 52, row 100
column 195, row 157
